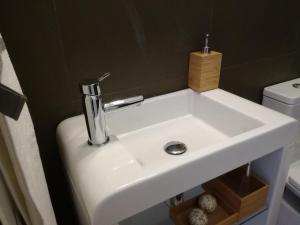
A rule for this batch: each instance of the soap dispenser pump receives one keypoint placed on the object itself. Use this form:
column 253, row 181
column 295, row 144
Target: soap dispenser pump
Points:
column 206, row 48
column 204, row 68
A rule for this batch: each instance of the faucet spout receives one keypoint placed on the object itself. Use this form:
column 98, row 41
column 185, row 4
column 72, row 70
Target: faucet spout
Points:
column 123, row 103
column 94, row 109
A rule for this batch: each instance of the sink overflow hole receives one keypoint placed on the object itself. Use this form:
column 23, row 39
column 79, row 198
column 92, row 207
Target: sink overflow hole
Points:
column 296, row 85
column 175, row 148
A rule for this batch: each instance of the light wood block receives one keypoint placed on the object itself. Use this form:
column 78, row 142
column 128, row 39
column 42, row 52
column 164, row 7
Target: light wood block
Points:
column 204, row 70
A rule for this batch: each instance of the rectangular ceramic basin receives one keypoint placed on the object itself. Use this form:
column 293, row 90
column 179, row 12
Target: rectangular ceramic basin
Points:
column 193, row 119
column 133, row 172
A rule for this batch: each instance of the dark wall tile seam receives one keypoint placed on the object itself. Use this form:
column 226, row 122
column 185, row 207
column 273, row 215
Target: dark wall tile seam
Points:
column 65, row 68
column 258, row 60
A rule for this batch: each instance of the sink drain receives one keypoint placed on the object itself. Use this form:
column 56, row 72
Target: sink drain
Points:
column 175, row 148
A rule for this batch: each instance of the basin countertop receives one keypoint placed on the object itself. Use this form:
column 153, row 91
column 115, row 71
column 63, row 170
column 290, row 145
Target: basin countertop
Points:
column 132, row 172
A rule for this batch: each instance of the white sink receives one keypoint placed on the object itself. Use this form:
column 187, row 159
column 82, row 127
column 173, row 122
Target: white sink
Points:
column 133, row 172
column 196, row 120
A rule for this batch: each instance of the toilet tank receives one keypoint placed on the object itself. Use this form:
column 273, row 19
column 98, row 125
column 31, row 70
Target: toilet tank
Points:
column 285, row 98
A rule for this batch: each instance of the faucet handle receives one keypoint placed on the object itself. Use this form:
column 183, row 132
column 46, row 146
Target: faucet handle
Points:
column 104, row 76
column 92, row 86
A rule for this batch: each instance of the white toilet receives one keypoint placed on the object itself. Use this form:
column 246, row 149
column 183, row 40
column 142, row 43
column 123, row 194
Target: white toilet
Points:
column 285, row 98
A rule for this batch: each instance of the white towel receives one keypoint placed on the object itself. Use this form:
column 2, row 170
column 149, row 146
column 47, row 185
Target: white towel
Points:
column 7, row 212
column 20, row 162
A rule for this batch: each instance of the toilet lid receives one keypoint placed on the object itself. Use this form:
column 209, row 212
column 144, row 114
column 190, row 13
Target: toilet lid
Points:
column 287, row 92
column 294, row 177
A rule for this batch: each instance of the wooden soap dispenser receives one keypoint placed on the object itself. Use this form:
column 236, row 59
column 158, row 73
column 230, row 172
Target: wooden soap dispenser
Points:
column 204, row 69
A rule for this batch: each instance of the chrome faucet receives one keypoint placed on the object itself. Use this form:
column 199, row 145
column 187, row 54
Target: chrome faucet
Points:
column 94, row 109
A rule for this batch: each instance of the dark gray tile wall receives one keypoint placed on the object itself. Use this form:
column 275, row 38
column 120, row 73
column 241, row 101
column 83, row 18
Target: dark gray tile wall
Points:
column 54, row 44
